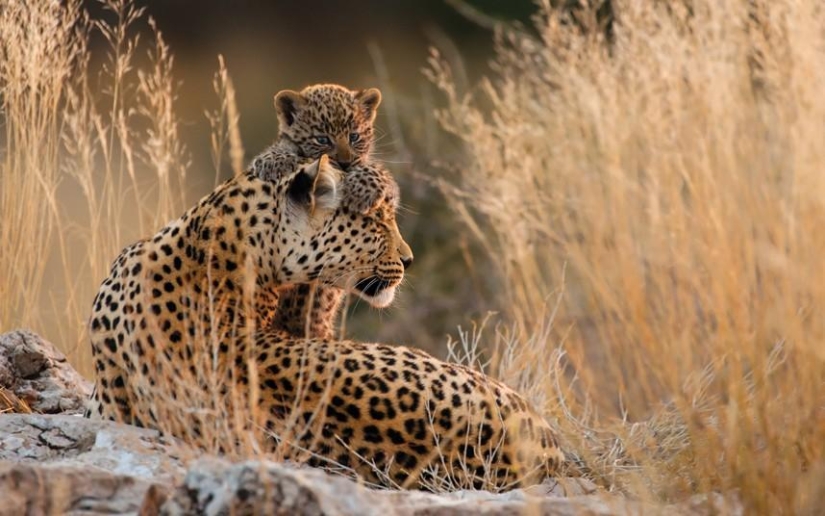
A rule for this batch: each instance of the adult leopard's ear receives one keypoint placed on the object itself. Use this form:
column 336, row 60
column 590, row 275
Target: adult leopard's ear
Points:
column 369, row 100
column 287, row 104
column 316, row 186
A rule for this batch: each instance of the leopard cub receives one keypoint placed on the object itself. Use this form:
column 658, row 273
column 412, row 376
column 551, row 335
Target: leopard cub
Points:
column 320, row 119
column 323, row 119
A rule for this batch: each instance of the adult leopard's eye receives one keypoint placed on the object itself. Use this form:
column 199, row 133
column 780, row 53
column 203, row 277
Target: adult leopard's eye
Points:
column 323, row 140
column 354, row 137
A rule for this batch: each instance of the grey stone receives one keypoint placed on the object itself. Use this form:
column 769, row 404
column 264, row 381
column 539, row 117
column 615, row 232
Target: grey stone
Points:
column 63, row 464
column 30, row 489
column 33, row 371
column 215, row 488
column 78, row 442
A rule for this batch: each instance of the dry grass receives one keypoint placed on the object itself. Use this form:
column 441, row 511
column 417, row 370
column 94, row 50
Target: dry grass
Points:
column 669, row 182
column 34, row 68
column 91, row 161
column 11, row 404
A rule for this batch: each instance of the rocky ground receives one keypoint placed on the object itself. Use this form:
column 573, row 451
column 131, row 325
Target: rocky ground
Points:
column 52, row 461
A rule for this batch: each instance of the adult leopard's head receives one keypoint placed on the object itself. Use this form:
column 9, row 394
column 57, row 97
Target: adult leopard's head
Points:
column 329, row 119
column 342, row 230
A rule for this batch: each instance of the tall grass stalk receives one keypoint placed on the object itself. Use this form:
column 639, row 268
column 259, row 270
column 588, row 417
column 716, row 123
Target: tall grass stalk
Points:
column 34, row 68
column 84, row 150
column 670, row 168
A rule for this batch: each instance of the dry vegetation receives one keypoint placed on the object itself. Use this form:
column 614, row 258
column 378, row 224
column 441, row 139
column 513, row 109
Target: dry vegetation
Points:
column 651, row 201
column 91, row 161
column 659, row 195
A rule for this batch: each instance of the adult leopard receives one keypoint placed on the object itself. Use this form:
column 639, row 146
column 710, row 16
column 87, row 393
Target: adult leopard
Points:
column 394, row 415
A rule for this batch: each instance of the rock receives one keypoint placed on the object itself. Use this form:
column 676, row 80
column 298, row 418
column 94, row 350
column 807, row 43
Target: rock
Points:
column 215, row 487
column 73, row 441
column 34, row 490
column 35, row 375
column 64, row 464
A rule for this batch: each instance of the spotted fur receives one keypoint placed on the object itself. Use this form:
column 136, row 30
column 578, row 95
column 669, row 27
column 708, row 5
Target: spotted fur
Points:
column 399, row 417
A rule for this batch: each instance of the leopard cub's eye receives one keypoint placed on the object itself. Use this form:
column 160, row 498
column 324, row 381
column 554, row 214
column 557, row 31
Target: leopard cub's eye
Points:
column 323, row 140
column 354, row 137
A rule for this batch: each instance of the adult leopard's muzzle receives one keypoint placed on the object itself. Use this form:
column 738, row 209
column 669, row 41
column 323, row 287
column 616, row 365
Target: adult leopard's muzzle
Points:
column 376, row 291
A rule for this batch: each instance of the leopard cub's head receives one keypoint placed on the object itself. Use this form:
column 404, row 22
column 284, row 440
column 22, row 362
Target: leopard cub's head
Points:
column 329, row 119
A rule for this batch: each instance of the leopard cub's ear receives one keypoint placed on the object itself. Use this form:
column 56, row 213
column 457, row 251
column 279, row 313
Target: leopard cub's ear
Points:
column 287, row 104
column 369, row 100
column 316, row 186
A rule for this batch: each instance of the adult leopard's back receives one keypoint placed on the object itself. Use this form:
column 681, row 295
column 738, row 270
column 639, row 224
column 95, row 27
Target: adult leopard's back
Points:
column 400, row 417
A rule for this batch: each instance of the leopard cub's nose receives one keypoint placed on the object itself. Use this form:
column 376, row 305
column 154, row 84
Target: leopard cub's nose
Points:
column 344, row 165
